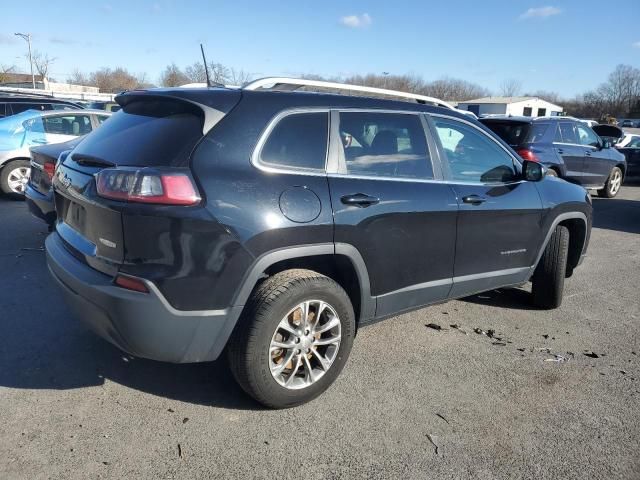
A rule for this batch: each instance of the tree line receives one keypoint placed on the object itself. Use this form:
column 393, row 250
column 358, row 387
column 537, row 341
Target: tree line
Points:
column 619, row 95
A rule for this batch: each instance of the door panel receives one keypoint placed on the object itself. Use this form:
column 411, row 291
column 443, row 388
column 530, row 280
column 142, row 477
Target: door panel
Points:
column 389, row 205
column 597, row 163
column 499, row 215
column 567, row 145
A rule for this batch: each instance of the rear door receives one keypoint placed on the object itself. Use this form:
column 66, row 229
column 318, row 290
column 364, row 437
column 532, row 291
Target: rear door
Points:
column 498, row 228
column 567, row 145
column 390, row 204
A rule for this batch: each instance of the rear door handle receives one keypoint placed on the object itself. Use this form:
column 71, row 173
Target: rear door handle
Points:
column 359, row 200
column 560, row 151
column 474, row 199
column 587, row 153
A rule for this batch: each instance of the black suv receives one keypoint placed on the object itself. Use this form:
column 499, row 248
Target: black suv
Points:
column 568, row 147
column 273, row 224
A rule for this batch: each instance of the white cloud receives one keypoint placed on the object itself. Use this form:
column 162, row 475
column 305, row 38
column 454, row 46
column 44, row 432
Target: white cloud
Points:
column 356, row 21
column 635, row 44
column 542, row 12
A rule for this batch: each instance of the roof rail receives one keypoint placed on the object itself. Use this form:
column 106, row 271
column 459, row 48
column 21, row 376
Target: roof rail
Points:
column 295, row 83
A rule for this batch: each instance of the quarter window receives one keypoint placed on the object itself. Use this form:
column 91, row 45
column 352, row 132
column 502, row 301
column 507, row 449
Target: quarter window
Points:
column 587, row 136
column 298, row 140
column 471, row 156
column 385, row 145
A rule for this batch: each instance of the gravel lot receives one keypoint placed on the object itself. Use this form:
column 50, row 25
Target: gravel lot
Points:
column 72, row 406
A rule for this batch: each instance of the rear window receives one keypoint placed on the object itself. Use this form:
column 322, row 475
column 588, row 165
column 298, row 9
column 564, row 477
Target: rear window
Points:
column 513, row 133
column 147, row 133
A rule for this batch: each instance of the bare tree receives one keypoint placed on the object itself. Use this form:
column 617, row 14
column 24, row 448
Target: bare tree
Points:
column 173, row 76
column 196, row 73
column 5, row 71
column 218, row 73
column 553, row 97
column 239, row 77
column 109, row 80
column 510, row 87
column 42, row 62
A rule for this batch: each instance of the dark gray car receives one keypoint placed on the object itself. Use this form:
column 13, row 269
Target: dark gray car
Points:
column 568, row 147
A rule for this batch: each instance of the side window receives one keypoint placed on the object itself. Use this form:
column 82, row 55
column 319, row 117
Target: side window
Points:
column 568, row 133
column 472, row 156
column 102, row 119
column 587, row 136
column 385, row 145
column 298, row 140
column 74, row 125
column 557, row 138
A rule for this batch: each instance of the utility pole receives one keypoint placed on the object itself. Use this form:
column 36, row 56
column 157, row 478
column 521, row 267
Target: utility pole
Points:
column 27, row 38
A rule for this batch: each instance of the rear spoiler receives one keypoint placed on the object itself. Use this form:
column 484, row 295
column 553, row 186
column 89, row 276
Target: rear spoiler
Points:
column 215, row 103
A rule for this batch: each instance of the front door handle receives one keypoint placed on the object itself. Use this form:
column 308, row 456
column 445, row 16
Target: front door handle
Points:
column 359, row 200
column 560, row 151
column 474, row 199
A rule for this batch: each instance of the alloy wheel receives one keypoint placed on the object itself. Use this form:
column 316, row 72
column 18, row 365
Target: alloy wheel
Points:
column 17, row 179
column 615, row 182
column 305, row 344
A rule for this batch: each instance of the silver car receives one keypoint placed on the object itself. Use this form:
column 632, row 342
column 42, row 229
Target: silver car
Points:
column 30, row 128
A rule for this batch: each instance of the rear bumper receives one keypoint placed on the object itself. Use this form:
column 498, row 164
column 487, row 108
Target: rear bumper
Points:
column 142, row 324
column 40, row 205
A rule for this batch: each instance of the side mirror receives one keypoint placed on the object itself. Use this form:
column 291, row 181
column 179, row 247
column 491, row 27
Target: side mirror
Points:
column 606, row 144
column 532, row 171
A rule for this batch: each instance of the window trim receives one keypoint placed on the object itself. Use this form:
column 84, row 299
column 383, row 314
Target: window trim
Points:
column 256, row 160
column 338, row 167
column 443, row 156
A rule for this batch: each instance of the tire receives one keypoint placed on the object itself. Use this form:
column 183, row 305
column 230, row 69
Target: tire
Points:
column 252, row 358
column 11, row 178
column 613, row 185
column 549, row 275
column 551, row 172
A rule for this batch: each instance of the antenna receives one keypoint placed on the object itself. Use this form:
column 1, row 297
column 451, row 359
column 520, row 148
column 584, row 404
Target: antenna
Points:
column 206, row 68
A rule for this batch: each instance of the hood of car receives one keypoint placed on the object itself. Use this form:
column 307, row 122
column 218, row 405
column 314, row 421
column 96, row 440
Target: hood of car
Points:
column 608, row 131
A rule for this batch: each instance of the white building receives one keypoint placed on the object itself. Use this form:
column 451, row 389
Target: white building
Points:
column 515, row 106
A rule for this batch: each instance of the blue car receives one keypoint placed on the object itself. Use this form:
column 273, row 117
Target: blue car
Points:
column 31, row 128
column 567, row 147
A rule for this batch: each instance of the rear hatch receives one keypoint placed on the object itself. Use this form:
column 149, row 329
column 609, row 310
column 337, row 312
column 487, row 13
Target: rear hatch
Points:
column 156, row 129
column 513, row 132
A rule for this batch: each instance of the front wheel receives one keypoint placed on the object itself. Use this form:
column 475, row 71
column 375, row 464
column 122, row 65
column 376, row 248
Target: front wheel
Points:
column 293, row 339
column 614, row 182
column 14, row 177
column 548, row 277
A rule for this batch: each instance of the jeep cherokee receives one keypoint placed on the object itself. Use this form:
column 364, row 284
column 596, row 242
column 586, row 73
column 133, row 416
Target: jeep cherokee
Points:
column 272, row 224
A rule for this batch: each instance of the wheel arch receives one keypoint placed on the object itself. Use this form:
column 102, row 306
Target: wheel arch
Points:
column 577, row 224
column 341, row 262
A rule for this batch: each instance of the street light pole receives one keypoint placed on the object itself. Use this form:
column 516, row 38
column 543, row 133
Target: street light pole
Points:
column 385, row 78
column 27, row 37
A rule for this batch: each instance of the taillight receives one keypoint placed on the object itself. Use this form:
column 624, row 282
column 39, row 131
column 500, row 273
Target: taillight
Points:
column 147, row 185
column 49, row 168
column 131, row 283
column 528, row 155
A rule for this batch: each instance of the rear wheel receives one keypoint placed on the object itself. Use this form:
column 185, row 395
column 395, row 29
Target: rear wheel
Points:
column 14, row 177
column 614, row 182
column 293, row 339
column 551, row 172
column 548, row 278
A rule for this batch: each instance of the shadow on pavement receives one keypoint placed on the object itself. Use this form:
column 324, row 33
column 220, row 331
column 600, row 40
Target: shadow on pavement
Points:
column 512, row 298
column 617, row 214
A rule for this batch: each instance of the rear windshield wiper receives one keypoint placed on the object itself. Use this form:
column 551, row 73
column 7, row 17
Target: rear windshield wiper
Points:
column 91, row 161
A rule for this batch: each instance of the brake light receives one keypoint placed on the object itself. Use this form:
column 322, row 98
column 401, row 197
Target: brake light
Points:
column 527, row 154
column 49, row 168
column 147, row 185
column 131, row 283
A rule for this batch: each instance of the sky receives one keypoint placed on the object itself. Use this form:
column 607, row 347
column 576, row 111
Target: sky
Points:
column 566, row 46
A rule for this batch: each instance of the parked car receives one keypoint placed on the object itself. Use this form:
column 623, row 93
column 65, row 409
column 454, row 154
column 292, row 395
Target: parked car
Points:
column 20, row 132
column 11, row 104
column 107, row 106
column 38, row 192
column 627, row 123
column 567, row 147
column 272, row 225
column 631, row 151
column 626, row 139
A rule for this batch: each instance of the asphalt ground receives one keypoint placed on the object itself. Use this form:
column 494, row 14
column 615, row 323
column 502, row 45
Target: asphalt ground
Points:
column 73, row 406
